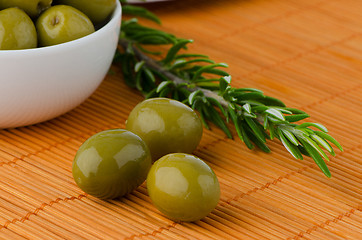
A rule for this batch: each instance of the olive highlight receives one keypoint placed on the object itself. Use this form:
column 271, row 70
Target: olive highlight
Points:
column 114, row 162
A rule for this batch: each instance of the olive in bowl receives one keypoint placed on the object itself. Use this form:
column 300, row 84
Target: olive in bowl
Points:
column 111, row 164
column 96, row 10
column 166, row 125
column 62, row 23
column 32, row 7
column 39, row 84
column 17, row 30
column 183, row 187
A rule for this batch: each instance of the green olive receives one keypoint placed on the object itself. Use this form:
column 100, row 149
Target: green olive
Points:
column 60, row 24
column 96, row 10
column 32, row 7
column 111, row 164
column 17, row 30
column 183, row 187
column 166, row 125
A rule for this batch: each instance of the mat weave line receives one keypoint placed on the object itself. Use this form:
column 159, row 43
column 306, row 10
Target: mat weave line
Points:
column 266, row 185
column 334, row 96
column 301, row 55
column 153, row 233
column 22, row 157
column 327, row 222
column 277, row 18
column 83, row 136
column 287, row 175
column 41, row 208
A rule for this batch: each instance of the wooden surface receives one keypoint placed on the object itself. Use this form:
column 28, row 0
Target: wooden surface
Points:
column 307, row 53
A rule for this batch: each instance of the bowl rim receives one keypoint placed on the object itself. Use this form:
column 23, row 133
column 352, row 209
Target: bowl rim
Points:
column 117, row 13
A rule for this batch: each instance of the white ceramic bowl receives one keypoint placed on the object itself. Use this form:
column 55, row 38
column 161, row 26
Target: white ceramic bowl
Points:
column 39, row 84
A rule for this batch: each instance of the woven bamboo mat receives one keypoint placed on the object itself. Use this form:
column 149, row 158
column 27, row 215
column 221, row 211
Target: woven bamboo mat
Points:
column 306, row 53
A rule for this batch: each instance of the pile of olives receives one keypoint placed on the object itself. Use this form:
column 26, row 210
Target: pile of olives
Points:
column 156, row 146
column 28, row 24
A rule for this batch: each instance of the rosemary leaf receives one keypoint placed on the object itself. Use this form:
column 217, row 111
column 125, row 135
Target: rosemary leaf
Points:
column 245, row 137
column 214, row 102
column 275, row 113
column 323, row 143
column 271, row 101
column 216, row 118
column 289, row 145
column 313, row 145
column 140, row 11
column 290, row 136
column 171, row 54
column 257, row 141
column 316, row 157
column 296, row 117
column 181, row 64
column 316, row 125
column 163, row 85
column 329, row 138
column 207, row 69
column 255, row 129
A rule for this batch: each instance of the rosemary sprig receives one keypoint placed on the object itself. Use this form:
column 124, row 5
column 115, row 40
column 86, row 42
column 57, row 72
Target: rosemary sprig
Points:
column 204, row 85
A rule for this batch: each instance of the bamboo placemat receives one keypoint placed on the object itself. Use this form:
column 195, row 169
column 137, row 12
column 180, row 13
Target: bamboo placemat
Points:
column 306, row 53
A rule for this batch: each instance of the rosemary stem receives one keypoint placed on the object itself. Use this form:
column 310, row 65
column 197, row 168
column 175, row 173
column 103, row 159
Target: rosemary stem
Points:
column 252, row 125
column 153, row 64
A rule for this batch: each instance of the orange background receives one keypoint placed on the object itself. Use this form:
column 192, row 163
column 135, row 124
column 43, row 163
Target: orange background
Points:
column 306, row 53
